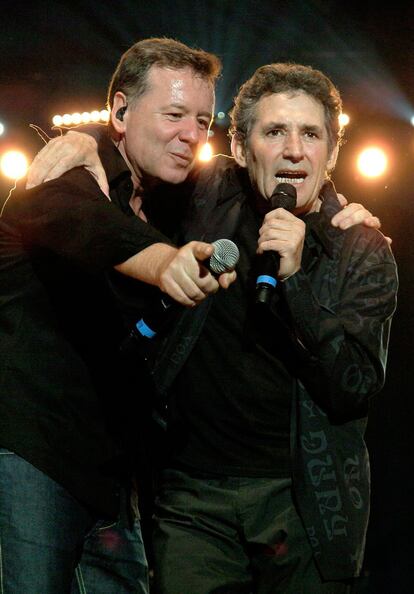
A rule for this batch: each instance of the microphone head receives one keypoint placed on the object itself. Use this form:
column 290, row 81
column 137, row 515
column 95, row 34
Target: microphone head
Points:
column 225, row 256
column 284, row 196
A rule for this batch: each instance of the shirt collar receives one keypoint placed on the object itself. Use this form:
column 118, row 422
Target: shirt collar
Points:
column 320, row 234
column 112, row 160
column 117, row 172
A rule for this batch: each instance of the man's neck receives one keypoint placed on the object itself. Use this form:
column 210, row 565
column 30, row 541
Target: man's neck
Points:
column 141, row 185
column 136, row 204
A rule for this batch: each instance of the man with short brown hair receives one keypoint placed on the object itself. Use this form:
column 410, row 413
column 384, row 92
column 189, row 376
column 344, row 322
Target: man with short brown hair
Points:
column 70, row 407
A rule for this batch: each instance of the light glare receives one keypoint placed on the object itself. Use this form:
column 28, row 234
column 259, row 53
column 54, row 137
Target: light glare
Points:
column 206, row 152
column 343, row 119
column 1, row 129
column 372, row 162
column 14, row 164
column 104, row 115
column 76, row 118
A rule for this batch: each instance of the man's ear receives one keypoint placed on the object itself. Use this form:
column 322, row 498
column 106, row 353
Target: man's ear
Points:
column 119, row 102
column 238, row 150
column 330, row 166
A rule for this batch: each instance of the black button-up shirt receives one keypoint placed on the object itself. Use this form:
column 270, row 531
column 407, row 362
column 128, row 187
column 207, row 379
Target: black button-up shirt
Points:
column 64, row 397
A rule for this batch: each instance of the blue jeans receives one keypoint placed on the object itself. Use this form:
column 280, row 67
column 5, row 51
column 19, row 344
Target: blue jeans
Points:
column 52, row 544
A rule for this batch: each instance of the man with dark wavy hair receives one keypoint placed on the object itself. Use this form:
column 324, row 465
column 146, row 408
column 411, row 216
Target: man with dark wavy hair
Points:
column 266, row 484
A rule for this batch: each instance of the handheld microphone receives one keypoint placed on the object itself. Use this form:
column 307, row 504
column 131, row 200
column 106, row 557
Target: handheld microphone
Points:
column 284, row 196
column 224, row 259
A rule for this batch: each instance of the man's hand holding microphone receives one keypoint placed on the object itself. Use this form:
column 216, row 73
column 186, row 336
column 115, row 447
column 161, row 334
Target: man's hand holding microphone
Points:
column 281, row 239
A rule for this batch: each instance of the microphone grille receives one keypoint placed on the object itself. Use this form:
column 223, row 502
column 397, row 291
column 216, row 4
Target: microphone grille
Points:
column 225, row 256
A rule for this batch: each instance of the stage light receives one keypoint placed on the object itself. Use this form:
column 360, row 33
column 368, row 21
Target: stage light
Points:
column 57, row 120
column 14, row 164
column 1, row 129
column 343, row 119
column 372, row 162
column 104, row 115
column 206, row 152
column 221, row 115
column 412, row 120
column 76, row 119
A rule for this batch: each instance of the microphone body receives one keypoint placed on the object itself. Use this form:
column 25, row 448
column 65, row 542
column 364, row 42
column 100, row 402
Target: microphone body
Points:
column 284, row 196
column 223, row 259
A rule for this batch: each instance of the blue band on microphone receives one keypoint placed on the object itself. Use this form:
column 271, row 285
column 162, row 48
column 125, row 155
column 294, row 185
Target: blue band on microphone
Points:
column 266, row 280
column 145, row 330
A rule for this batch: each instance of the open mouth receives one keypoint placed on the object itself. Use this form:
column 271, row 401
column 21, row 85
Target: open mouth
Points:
column 291, row 177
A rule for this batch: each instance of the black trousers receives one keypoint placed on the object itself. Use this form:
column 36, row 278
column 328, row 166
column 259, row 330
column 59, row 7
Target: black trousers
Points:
column 232, row 535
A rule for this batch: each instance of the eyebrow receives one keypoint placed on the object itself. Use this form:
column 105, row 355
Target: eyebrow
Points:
column 284, row 126
column 178, row 105
column 314, row 128
column 276, row 124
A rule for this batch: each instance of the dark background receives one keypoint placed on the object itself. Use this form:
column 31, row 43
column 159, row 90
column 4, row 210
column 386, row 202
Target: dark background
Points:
column 57, row 57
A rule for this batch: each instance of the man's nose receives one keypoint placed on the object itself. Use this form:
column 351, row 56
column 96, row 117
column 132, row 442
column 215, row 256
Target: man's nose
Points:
column 190, row 131
column 293, row 147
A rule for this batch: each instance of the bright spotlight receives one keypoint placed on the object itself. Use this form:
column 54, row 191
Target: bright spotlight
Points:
column 104, row 115
column 221, row 115
column 1, row 129
column 412, row 120
column 372, row 162
column 14, row 164
column 343, row 119
column 76, row 118
column 206, row 152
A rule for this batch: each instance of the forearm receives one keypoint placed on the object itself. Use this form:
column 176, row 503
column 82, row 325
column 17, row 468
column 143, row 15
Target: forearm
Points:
column 69, row 217
column 148, row 265
column 79, row 224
